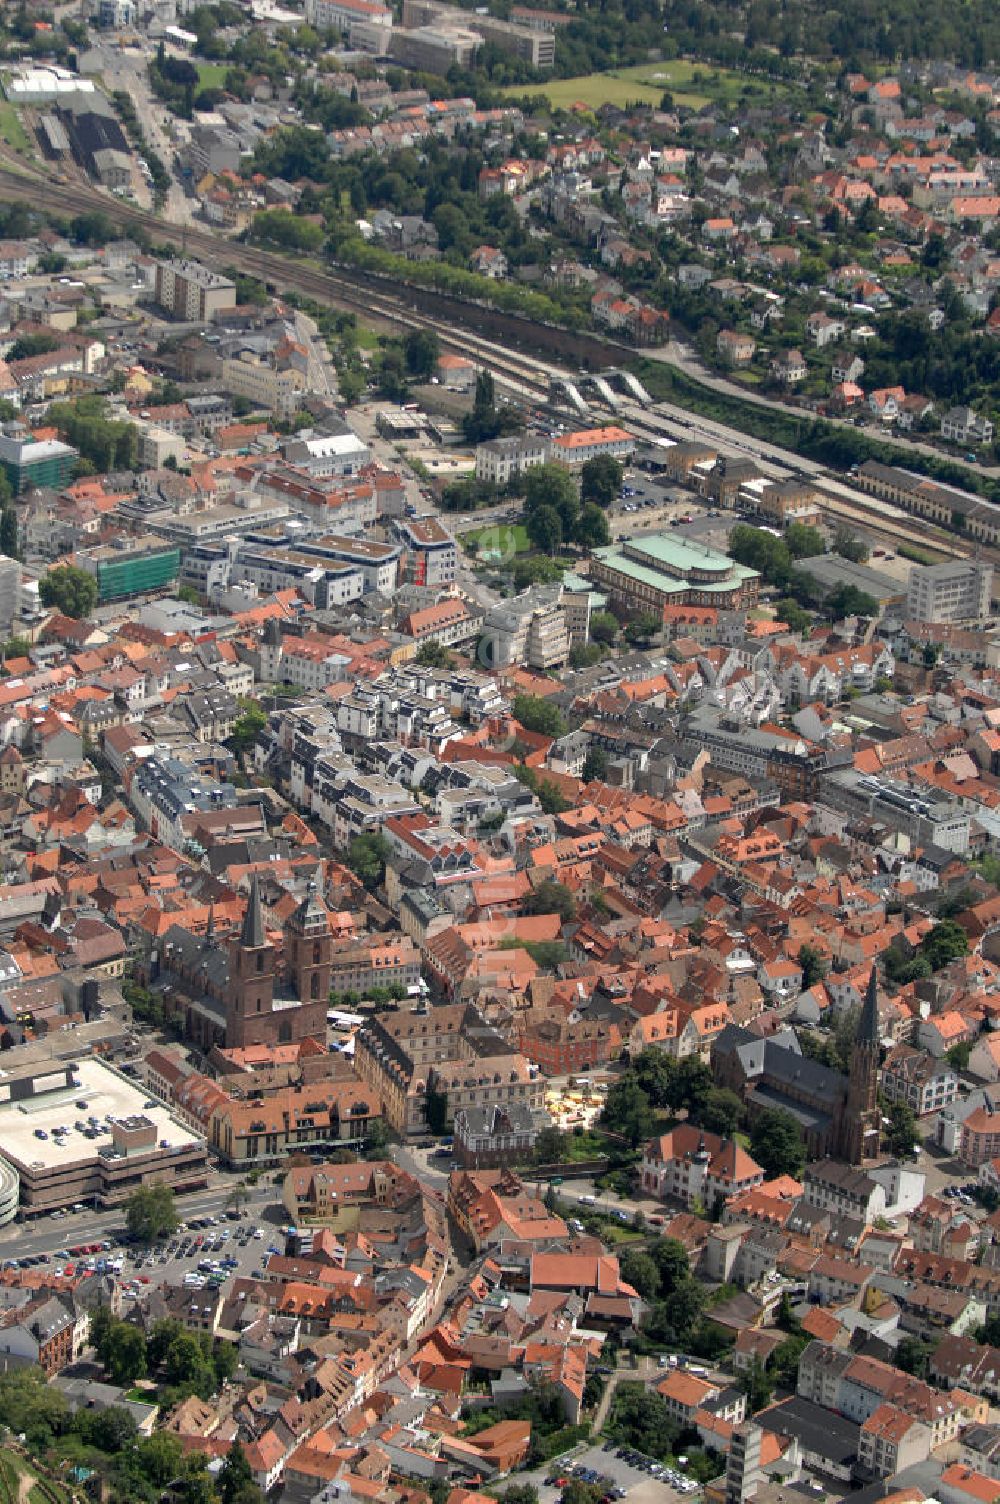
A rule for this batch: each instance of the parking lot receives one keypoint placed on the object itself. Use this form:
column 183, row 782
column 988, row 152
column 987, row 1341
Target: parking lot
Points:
column 626, row 1480
column 647, row 504
column 232, row 1246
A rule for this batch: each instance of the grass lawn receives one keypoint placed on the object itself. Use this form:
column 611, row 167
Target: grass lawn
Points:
column 586, row 1146
column 617, row 1232
column 11, row 129
column 212, row 75
column 691, row 84
column 499, row 543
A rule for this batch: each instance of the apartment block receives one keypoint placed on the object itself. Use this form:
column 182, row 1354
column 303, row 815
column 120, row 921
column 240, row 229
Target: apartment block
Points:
column 191, row 292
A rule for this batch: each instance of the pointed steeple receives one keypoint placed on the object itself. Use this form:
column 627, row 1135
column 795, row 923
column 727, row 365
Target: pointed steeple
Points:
column 868, row 1025
column 252, row 933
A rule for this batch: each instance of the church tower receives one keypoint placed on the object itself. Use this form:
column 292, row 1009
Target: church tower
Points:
column 862, row 1121
column 251, row 978
column 309, row 958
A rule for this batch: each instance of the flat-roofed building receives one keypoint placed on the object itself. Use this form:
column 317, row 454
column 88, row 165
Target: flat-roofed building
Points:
column 955, row 590
column 83, row 1133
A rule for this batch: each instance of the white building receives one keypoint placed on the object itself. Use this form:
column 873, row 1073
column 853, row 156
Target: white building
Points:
column 500, row 460
column 956, row 590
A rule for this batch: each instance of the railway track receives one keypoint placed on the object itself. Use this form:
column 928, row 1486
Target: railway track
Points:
column 527, row 374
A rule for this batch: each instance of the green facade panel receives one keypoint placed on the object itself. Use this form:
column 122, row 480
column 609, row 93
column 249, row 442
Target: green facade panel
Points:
column 135, row 575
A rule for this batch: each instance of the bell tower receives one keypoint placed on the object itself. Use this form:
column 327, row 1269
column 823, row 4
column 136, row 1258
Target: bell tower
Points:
column 251, row 978
column 862, row 1120
column 309, row 958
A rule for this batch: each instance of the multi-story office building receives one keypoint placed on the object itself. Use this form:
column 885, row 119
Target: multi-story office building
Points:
column 956, row 590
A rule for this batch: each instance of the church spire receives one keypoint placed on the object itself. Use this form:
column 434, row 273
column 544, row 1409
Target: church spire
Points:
column 252, row 933
column 868, row 1024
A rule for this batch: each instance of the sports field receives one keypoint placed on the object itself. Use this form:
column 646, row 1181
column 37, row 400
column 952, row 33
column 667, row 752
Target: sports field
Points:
column 692, row 84
column 212, row 75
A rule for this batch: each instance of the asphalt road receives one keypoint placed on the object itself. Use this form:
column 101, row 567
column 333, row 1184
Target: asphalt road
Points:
column 48, row 1234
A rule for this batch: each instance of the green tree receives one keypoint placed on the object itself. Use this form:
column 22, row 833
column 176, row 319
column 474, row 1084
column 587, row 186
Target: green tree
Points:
column 520, row 1493
column 689, row 1085
column 544, row 529
column 162, row 1334
column 848, row 600
column 187, row 1366
column 124, row 1356
column 68, row 589
column 946, row 942
column 758, row 549
column 640, row 1418
column 9, row 537
column 848, row 545
column 804, row 542
column 795, row 617
column 603, row 627
column 236, row 1485
column 901, row 1131
column 958, row 1056
column 292, row 232
column 914, row 1356
column 377, row 1138
column 627, row 1111
column 757, row 1385
column 672, row 1264
column 32, row 344
column 552, row 486
column 595, row 764
column 776, row 1143
column 432, row 654
column 247, row 727
column 159, row 1458
column 421, row 351
column 549, row 1147
column 639, row 1270
column 436, row 1110
column 150, row 1213
column 109, row 443
column 673, row 1320
column 551, row 897
column 28, row 1405
column 601, row 480
column 537, row 713
column 783, row 1365
column 485, row 421
column 655, row 1072
column 642, row 627
column 720, row 1111
column 813, row 966
column 591, row 530
column 366, row 857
